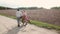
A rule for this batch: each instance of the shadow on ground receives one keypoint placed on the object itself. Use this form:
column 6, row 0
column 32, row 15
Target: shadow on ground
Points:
column 15, row 30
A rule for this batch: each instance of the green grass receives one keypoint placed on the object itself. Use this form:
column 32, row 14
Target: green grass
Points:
column 8, row 16
column 39, row 23
column 45, row 25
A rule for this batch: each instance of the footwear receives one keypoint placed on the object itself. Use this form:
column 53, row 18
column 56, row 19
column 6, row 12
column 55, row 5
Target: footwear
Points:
column 18, row 25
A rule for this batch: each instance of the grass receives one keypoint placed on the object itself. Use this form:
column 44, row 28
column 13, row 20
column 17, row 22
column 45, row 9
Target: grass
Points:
column 38, row 23
column 45, row 25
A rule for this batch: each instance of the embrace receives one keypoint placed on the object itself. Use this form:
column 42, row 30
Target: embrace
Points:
column 21, row 14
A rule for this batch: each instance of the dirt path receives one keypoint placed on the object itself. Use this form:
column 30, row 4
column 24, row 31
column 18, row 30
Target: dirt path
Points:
column 9, row 26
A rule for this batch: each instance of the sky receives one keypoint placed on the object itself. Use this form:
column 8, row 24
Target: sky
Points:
column 30, row 3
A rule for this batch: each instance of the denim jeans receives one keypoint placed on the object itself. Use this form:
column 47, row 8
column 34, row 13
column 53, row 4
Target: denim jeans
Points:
column 18, row 20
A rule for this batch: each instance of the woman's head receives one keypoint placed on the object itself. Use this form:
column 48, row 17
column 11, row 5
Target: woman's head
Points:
column 23, row 10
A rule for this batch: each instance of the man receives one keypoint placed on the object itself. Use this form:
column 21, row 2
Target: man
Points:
column 19, row 16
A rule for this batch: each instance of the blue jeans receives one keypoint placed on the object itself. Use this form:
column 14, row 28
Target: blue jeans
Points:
column 18, row 20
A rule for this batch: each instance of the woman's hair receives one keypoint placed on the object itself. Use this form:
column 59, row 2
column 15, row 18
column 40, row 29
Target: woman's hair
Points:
column 23, row 10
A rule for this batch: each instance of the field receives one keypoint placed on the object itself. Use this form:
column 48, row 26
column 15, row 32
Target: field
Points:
column 51, row 16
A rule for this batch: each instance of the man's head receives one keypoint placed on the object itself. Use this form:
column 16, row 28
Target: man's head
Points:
column 17, row 9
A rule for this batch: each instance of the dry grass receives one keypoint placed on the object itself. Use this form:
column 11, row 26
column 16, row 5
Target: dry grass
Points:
column 45, row 15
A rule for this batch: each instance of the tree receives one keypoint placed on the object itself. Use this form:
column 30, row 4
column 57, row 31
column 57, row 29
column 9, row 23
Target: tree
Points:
column 55, row 8
column 2, row 7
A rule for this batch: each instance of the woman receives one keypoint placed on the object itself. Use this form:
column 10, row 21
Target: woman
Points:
column 25, row 17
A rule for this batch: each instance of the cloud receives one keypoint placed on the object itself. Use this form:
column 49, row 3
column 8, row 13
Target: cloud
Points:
column 29, row 3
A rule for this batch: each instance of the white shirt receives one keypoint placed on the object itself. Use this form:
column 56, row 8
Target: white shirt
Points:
column 18, row 14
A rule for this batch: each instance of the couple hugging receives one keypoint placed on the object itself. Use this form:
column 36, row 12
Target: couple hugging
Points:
column 21, row 14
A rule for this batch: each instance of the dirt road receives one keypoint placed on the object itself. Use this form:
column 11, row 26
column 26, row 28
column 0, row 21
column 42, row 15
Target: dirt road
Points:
column 9, row 26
